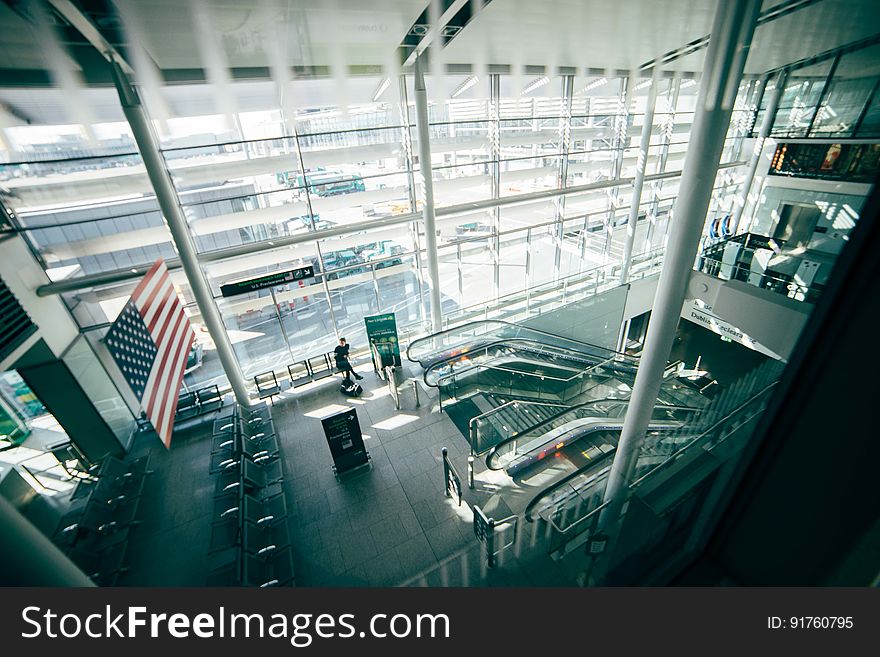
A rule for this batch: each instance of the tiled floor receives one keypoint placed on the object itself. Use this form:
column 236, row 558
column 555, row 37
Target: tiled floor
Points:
column 376, row 527
column 380, row 526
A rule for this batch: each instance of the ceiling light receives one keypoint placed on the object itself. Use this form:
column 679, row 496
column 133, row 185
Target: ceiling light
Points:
column 643, row 84
column 690, row 82
column 593, row 85
column 537, row 84
column 464, row 86
column 381, row 88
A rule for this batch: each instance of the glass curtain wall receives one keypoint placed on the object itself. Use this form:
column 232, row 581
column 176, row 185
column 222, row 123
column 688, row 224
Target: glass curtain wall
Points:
column 267, row 189
column 836, row 97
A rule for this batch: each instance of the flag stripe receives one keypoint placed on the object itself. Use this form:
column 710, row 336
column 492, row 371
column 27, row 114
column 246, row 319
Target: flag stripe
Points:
column 174, row 383
column 166, row 300
column 172, row 376
column 148, row 280
column 169, row 338
column 152, row 341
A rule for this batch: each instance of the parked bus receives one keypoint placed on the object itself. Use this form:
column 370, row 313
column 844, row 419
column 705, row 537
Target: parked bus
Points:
column 323, row 183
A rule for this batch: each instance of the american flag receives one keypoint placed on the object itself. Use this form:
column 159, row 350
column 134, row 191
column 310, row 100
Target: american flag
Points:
column 150, row 341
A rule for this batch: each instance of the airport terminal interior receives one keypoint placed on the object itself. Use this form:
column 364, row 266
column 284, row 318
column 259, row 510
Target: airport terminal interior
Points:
column 438, row 292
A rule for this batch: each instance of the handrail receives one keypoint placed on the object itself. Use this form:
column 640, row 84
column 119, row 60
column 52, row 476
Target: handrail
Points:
column 503, row 324
column 576, row 407
column 543, row 377
column 550, row 350
column 672, row 457
column 527, row 513
column 514, row 402
column 559, row 282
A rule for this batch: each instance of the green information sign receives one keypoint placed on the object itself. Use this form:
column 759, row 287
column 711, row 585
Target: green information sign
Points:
column 382, row 333
column 269, row 280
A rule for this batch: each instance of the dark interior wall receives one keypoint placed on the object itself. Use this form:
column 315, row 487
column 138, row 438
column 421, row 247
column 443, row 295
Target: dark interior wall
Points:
column 810, row 492
column 61, row 394
column 726, row 361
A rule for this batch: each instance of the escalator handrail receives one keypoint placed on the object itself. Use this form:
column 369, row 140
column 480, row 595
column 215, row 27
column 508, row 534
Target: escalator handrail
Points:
column 699, row 434
column 508, row 404
column 549, row 490
column 492, row 452
column 550, row 419
column 506, row 325
column 561, row 352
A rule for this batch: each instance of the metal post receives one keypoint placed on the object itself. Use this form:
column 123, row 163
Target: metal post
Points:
column 668, row 130
column 470, row 473
column 730, row 39
column 415, row 385
column 314, row 228
column 562, row 178
column 445, row 453
column 742, row 200
column 428, row 188
column 638, row 181
column 281, row 322
column 166, row 195
column 619, row 142
column 495, row 150
column 823, row 95
column 490, row 544
column 413, row 204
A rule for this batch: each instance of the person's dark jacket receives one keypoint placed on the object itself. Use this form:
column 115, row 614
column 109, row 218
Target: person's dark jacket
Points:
column 341, row 355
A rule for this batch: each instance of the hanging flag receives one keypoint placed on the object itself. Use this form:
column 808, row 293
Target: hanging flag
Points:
column 150, row 342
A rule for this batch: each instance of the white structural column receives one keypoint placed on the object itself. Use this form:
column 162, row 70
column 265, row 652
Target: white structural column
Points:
column 28, row 558
column 731, row 36
column 406, row 140
column 619, row 141
column 742, row 199
column 638, row 182
column 428, row 201
column 495, row 168
column 562, row 177
column 166, row 195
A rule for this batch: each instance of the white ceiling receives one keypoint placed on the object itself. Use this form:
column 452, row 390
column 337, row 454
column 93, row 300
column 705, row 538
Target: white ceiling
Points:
column 619, row 34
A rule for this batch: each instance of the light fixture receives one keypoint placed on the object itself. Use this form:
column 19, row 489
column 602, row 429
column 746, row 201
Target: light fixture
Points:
column 643, row 84
column 536, row 84
column 464, row 86
column 381, row 88
column 593, row 85
column 690, row 82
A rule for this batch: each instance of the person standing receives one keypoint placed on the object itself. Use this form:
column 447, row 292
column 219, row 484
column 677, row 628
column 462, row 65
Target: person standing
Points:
column 342, row 362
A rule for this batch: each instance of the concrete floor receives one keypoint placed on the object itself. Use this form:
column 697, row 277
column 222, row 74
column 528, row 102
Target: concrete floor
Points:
column 376, row 528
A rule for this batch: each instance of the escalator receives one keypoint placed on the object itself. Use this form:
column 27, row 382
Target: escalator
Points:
column 556, row 458
column 471, row 337
column 539, row 358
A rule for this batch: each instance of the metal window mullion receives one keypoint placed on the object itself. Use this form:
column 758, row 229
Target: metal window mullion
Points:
column 495, row 148
column 562, row 176
column 403, row 108
column 321, row 269
column 823, row 94
column 858, row 124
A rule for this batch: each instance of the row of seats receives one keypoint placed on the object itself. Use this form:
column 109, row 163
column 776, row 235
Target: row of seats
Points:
column 192, row 404
column 300, row 373
column 198, row 402
column 94, row 532
column 250, row 541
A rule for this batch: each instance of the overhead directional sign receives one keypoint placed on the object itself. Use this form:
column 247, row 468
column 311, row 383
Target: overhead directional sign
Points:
column 269, row 280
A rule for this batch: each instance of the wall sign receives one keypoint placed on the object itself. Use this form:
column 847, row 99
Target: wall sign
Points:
column 701, row 313
column 269, row 280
